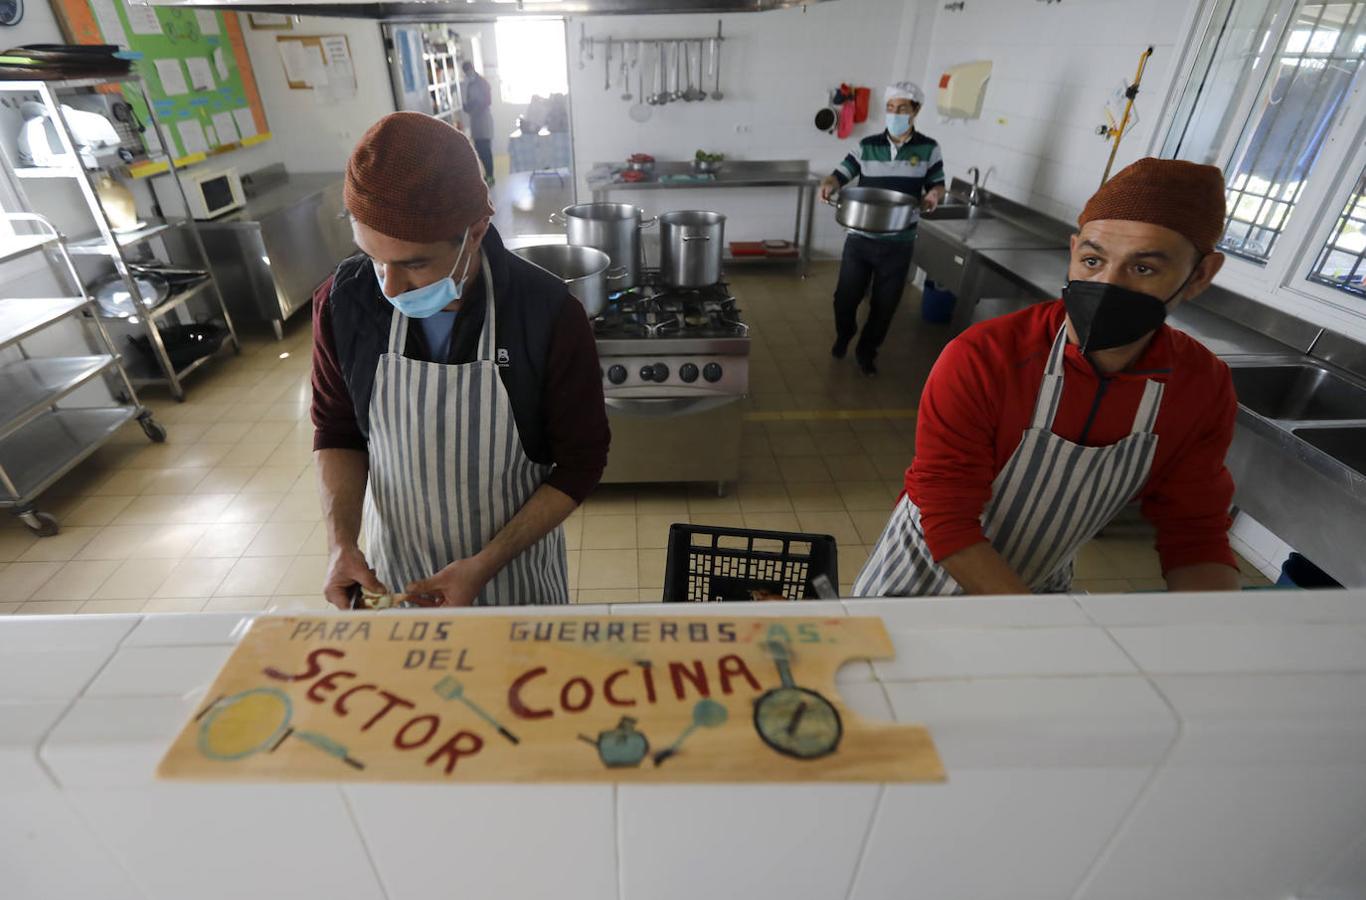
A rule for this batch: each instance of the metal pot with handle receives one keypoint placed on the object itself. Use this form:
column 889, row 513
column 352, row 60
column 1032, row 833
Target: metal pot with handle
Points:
column 613, row 228
column 690, row 247
column 876, row 210
column 582, row 269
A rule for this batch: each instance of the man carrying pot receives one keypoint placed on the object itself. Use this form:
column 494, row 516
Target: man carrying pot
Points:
column 899, row 159
column 457, row 402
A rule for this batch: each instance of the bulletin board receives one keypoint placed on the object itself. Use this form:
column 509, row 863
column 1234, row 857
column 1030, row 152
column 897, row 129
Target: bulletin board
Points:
column 194, row 64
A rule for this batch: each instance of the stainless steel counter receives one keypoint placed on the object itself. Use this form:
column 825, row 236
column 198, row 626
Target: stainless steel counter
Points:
column 279, row 194
column 746, row 173
column 270, row 255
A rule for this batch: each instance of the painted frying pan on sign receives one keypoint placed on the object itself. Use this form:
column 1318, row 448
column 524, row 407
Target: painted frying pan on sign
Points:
column 257, row 721
column 796, row 721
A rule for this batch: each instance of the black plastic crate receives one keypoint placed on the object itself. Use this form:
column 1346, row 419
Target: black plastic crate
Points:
column 710, row 564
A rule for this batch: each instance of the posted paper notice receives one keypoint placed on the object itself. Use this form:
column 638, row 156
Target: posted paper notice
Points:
column 226, row 127
column 192, row 137
column 111, row 28
column 143, row 18
column 172, row 77
column 246, row 122
column 201, row 73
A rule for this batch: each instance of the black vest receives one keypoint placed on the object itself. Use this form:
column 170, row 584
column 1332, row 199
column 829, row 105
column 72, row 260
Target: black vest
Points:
column 529, row 303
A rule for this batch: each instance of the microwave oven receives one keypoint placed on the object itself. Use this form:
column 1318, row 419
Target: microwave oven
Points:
column 212, row 192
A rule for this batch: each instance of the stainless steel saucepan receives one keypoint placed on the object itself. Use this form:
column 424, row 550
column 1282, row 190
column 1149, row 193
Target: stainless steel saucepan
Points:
column 582, row 269
column 875, row 210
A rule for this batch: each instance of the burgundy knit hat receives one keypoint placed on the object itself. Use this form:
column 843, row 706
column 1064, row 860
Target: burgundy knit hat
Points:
column 415, row 178
column 1184, row 196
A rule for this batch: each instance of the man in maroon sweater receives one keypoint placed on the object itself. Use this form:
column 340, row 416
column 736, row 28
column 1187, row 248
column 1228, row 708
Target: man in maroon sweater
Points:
column 457, row 400
column 1036, row 428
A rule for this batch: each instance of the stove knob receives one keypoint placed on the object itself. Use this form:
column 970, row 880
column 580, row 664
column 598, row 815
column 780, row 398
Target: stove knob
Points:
column 647, row 373
column 661, row 373
column 712, row 372
column 616, row 374
column 688, row 372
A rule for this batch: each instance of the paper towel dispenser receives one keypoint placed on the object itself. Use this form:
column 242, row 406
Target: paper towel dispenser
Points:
column 961, row 89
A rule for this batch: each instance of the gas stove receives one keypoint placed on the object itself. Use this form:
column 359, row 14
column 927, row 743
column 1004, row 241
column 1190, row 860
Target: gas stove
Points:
column 652, row 338
column 675, row 372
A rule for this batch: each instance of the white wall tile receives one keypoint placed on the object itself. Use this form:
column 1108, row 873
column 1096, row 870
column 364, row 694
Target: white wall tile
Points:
column 1232, row 832
column 47, row 674
column 64, row 633
column 1046, row 722
column 114, row 741
column 1261, row 719
column 22, row 726
column 1244, row 648
column 1267, row 607
column 1003, row 834
column 286, row 841
column 740, row 842
column 1000, row 652
column 490, row 840
column 1342, row 879
column 159, row 671
column 178, row 630
column 47, row 852
column 972, row 612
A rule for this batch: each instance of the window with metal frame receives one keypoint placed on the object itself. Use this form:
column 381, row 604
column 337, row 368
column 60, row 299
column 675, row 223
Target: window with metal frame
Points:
column 1272, row 81
column 1342, row 261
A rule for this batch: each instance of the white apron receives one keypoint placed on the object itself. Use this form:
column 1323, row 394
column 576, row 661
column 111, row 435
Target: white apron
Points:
column 447, row 472
column 1051, row 498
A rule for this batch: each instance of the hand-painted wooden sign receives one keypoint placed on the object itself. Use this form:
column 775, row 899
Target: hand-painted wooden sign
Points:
column 420, row 697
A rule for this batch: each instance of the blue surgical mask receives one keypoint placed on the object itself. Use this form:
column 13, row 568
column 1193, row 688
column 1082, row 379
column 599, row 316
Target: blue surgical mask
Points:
column 428, row 300
column 898, row 124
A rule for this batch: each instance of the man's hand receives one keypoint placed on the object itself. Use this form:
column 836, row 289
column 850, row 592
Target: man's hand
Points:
column 933, row 199
column 458, row 584
column 829, row 184
column 346, row 566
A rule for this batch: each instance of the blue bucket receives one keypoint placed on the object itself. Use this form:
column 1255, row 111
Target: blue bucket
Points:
column 936, row 304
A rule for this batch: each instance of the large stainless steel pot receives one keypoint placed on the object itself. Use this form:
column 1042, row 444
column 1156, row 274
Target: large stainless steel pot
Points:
column 690, row 246
column 876, row 210
column 613, row 228
column 582, row 269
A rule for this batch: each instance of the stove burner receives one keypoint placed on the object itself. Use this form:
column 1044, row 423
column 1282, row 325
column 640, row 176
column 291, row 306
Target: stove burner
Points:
column 653, row 310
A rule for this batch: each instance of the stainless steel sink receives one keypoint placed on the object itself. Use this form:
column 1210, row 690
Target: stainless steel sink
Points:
column 956, row 211
column 1346, row 445
column 1298, row 392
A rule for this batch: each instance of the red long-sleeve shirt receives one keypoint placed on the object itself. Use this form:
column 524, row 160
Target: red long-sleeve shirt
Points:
column 980, row 397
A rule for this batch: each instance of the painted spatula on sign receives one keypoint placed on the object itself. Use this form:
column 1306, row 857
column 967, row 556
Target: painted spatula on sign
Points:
column 450, row 688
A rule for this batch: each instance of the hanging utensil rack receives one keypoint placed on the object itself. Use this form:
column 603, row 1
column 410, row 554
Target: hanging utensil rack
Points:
column 643, row 50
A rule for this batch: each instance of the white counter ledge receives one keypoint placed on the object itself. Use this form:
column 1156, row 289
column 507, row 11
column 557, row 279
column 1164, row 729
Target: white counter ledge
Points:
column 1097, row 747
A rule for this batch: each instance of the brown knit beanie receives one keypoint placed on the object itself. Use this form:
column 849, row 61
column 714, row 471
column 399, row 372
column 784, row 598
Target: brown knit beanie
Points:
column 1184, row 196
column 415, row 178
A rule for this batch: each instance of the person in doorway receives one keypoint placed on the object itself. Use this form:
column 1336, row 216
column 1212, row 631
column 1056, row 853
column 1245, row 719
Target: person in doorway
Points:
column 899, row 159
column 457, row 402
column 479, row 108
column 1036, row 428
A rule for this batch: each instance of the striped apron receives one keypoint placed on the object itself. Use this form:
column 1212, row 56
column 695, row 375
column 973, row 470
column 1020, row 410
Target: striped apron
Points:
column 1051, row 497
column 447, row 472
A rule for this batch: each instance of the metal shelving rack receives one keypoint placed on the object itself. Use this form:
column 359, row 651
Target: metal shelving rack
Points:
column 105, row 242
column 41, row 441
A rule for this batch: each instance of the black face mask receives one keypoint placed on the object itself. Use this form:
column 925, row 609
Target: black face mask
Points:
column 1106, row 316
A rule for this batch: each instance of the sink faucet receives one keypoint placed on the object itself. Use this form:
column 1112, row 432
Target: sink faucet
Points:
column 975, row 197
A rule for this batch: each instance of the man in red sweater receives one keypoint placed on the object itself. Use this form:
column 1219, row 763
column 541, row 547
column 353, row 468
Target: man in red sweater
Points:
column 1036, row 428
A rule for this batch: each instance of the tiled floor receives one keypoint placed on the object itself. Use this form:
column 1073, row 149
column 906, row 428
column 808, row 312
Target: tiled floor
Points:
column 224, row 515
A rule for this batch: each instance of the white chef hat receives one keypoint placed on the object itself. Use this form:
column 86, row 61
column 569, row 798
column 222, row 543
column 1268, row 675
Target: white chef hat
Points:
column 904, row 90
